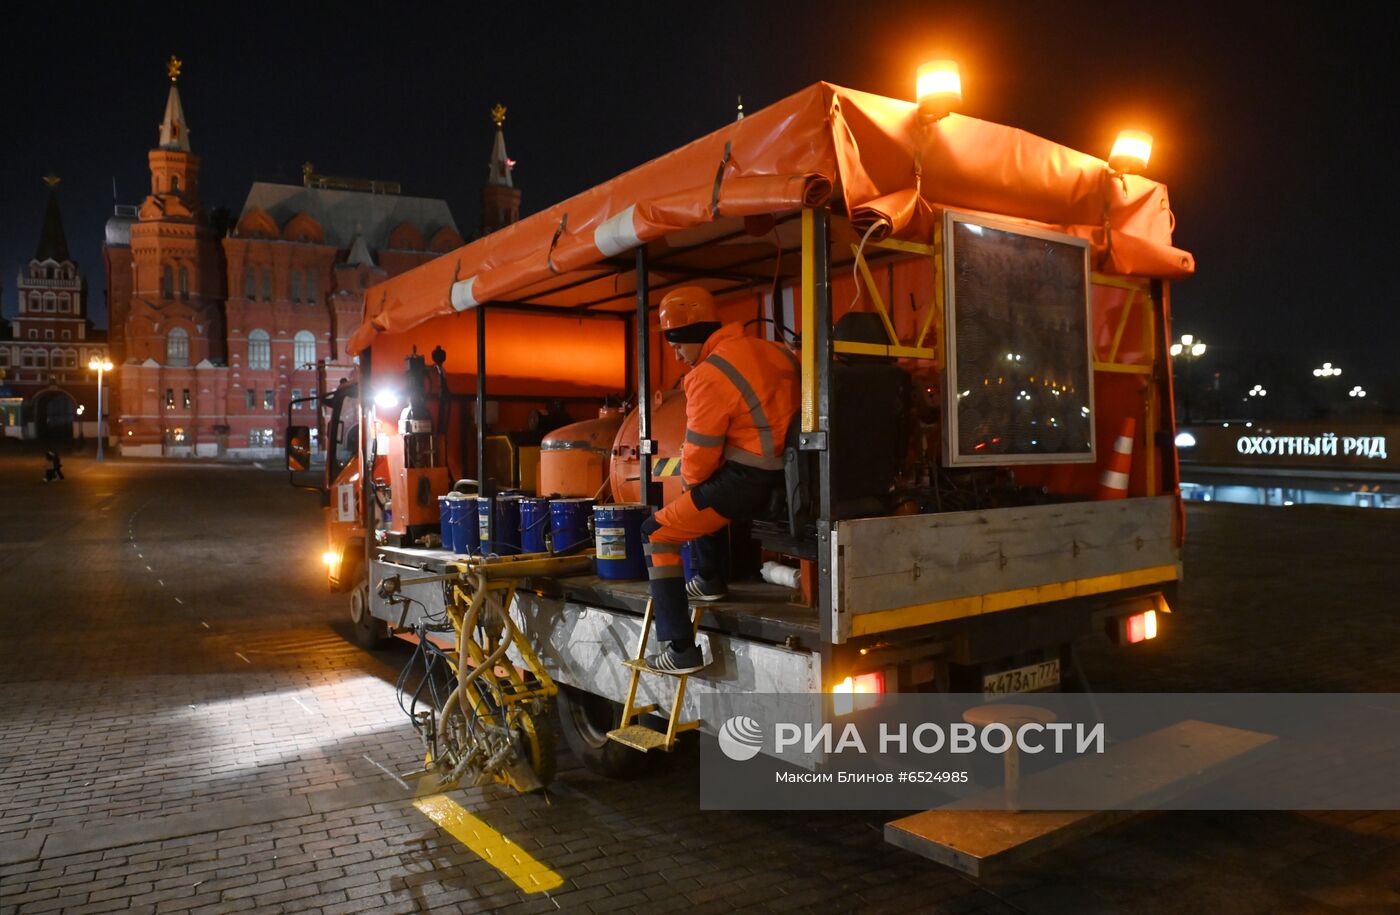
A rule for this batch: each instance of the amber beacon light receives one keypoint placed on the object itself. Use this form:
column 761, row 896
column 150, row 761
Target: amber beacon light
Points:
column 1131, row 150
column 938, row 87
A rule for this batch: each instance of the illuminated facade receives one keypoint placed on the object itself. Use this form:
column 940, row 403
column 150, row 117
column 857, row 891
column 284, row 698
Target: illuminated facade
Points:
column 216, row 330
column 46, row 344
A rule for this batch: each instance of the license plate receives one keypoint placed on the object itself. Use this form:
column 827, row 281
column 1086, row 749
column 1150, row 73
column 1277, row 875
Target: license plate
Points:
column 1022, row 679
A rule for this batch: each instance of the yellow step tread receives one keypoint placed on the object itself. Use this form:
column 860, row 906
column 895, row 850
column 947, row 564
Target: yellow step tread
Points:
column 639, row 737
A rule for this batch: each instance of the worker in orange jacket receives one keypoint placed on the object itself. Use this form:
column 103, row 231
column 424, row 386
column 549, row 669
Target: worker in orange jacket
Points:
column 741, row 396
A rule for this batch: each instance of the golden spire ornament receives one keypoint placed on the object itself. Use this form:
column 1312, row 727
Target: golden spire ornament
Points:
column 498, row 114
column 52, row 180
column 172, row 67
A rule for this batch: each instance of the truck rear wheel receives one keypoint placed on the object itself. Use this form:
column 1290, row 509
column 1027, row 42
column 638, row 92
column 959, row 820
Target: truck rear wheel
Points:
column 586, row 720
column 367, row 630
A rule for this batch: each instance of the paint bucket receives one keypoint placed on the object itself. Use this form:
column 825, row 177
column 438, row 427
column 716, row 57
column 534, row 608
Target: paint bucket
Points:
column 534, row 524
column 618, row 536
column 455, row 521
column 507, row 540
column 568, row 523
column 470, row 544
column 445, row 522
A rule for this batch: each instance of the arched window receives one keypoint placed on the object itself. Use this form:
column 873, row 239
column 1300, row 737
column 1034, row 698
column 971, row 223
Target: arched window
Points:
column 174, row 184
column 310, row 286
column 250, row 289
column 63, row 302
column 41, row 358
column 259, row 350
column 177, row 347
column 267, row 286
column 304, row 348
column 49, row 301
column 167, row 282
column 296, row 286
column 184, row 282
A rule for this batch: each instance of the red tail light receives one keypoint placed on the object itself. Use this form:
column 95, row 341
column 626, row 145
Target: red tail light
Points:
column 1141, row 626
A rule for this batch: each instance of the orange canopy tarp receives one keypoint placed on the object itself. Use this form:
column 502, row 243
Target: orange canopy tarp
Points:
column 793, row 154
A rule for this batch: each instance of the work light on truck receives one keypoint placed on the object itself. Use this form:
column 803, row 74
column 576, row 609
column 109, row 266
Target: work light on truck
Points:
column 938, row 88
column 1131, row 150
column 386, row 398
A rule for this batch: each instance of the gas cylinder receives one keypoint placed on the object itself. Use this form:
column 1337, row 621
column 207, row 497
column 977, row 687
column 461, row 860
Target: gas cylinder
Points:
column 574, row 458
column 668, row 429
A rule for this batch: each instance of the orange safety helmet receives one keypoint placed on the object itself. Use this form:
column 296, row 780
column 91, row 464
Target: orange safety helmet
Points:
column 687, row 305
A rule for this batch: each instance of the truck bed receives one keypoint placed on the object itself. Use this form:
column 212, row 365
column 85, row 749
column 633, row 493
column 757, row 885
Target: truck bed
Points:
column 752, row 609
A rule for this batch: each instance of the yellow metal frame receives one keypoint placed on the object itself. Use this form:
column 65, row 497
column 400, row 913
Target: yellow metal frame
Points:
column 481, row 664
column 1138, row 291
column 957, row 608
column 637, row 735
column 895, row 348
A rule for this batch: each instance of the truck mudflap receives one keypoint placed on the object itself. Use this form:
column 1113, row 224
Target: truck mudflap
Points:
column 915, row 570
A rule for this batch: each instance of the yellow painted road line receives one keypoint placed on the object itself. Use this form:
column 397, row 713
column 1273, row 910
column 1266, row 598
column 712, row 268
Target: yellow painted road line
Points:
column 495, row 849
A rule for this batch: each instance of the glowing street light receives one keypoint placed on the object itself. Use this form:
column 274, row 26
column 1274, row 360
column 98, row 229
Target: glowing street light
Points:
column 1191, row 349
column 1328, row 370
column 100, row 364
column 1258, row 391
column 1357, row 391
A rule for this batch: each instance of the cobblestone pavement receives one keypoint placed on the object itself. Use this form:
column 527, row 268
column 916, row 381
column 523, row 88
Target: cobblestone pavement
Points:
column 184, row 726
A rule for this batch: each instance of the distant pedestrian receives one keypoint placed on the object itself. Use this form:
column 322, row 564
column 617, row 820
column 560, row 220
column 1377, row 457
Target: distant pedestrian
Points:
column 55, row 468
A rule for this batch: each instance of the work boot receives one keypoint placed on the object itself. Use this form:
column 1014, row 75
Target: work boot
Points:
column 707, row 590
column 677, row 661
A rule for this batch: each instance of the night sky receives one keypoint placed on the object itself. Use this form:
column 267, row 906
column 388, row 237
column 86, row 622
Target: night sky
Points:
column 1273, row 129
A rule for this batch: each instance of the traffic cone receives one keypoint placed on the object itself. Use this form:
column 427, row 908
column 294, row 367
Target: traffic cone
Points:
column 1113, row 482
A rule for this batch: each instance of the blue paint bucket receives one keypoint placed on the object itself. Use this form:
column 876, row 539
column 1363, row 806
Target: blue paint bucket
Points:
column 534, row 524
column 568, row 523
column 445, row 521
column 507, row 540
column 470, row 544
column 455, row 525
column 617, row 533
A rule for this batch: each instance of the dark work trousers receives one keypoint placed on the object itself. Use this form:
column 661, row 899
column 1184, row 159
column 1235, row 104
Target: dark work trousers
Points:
column 700, row 516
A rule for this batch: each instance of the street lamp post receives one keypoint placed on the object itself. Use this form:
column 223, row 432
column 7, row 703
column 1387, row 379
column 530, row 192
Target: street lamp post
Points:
column 1190, row 349
column 100, row 365
column 1326, row 372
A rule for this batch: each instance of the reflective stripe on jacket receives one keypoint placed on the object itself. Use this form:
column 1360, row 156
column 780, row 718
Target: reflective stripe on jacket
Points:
column 740, row 399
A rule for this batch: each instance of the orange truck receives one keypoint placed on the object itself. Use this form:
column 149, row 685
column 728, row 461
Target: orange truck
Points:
column 983, row 470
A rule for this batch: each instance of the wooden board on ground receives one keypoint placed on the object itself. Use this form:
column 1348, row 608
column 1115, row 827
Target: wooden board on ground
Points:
column 1128, row 778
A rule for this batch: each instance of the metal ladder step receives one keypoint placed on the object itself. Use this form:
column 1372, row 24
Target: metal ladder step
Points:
column 637, row 735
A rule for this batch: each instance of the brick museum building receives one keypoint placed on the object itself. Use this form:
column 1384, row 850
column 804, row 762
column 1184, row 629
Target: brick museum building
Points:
column 215, row 329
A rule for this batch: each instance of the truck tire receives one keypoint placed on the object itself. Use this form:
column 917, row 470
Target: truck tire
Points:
column 586, row 719
column 366, row 629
